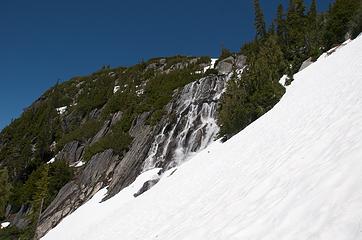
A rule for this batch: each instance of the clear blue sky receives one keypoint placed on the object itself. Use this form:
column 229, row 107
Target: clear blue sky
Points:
column 42, row 41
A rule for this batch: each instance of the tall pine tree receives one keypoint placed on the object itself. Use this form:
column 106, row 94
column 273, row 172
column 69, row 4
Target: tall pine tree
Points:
column 355, row 24
column 312, row 14
column 259, row 21
column 280, row 23
column 296, row 26
column 340, row 15
column 313, row 36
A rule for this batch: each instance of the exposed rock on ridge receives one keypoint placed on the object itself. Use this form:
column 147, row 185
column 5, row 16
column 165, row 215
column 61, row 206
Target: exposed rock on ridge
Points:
column 189, row 126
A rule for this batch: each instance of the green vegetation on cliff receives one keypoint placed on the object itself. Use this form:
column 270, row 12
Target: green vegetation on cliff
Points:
column 87, row 103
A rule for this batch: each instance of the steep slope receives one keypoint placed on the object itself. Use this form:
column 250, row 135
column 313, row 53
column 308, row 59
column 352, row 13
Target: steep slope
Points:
column 295, row 173
column 105, row 129
column 182, row 125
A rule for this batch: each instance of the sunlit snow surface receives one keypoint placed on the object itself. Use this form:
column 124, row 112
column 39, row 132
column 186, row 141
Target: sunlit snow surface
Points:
column 4, row 225
column 51, row 160
column 296, row 173
column 61, row 110
column 212, row 64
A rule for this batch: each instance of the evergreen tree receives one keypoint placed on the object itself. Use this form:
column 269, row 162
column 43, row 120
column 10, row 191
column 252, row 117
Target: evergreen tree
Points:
column 235, row 111
column 299, row 7
column 312, row 14
column 340, row 15
column 271, row 30
column 268, row 64
column 259, row 21
column 4, row 191
column 40, row 194
column 258, row 89
column 280, row 24
column 355, row 24
column 225, row 53
column 296, row 26
column 313, row 36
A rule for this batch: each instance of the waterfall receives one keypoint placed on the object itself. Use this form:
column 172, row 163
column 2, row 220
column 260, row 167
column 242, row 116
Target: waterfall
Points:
column 192, row 125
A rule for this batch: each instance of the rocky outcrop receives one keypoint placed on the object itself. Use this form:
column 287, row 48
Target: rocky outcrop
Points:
column 102, row 132
column 225, row 66
column 95, row 176
column 71, row 153
column 189, row 126
column 106, row 127
column 146, row 186
column 131, row 165
column 103, row 169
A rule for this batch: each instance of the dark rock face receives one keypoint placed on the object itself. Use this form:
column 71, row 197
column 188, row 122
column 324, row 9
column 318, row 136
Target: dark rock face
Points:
column 106, row 126
column 226, row 65
column 101, row 133
column 95, row 176
column 131, row 165
column 240, row 61
column 189, row 126
column 71, row 153
column 20, row 219
column 104, row 169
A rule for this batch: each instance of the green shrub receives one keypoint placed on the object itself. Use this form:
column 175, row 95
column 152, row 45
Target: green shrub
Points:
column 82, row 133
column 117, row 141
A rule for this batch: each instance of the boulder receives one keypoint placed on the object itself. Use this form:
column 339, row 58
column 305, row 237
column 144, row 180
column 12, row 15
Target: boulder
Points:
column 240, row 61
column 225, row 66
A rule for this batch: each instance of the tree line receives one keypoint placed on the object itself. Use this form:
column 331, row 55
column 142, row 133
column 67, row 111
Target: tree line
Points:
column 296, row 34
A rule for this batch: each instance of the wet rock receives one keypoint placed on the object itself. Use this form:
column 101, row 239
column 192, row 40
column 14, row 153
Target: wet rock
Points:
column 189, row 126
column 193, row 126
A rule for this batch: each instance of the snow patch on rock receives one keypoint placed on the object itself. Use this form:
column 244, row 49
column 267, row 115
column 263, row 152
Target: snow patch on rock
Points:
column 62, row 110
column 212, row 64
column 4, row 225
column 116, row 89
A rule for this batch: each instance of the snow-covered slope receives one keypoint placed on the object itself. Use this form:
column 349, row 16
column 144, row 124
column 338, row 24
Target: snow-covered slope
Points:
column 296, row 173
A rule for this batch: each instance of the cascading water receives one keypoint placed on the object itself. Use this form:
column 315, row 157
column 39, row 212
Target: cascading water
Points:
column 193, row 125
